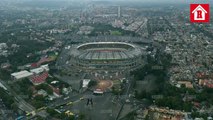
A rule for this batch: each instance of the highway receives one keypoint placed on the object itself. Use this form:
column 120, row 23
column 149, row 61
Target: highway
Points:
column 22, row 104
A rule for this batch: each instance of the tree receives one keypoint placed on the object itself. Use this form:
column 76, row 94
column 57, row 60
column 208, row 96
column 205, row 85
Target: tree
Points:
column 52, row 112
column 6, row 98
column 45, row 87
column 81, row 116
column 38, row 104
column 39, row 98
column 92, row 83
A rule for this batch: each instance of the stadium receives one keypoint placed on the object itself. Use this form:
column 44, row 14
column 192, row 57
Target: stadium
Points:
column 106, row 56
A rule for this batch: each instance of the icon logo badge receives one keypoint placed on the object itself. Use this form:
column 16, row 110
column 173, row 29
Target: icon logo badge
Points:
column 199, row 12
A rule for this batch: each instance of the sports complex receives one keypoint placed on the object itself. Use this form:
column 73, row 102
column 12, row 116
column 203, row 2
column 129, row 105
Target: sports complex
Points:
column 107, row 56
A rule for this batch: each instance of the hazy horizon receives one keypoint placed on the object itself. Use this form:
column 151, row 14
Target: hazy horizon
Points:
column 150, row 1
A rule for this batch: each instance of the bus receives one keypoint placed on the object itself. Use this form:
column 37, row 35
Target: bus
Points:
column 98, row 92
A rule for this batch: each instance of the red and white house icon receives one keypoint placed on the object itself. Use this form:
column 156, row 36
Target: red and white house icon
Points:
column 199, row 12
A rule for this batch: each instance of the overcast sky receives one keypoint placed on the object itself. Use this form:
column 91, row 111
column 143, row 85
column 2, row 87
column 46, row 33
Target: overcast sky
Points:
column 144, row 1
column 183, row 1
column 130, row 0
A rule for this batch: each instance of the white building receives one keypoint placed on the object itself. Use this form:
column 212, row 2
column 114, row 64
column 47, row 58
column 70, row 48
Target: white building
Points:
column 40, row 69
column 3, row 46
column 21, row 75
column 42, row 92
column 85, row 83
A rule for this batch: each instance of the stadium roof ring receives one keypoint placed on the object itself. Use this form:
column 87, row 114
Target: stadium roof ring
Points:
column 106, row 55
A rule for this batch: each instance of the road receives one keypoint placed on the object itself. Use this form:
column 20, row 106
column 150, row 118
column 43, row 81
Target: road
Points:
column 102, row 109
column 22, row 104
column 126, row 95
column 61, row 101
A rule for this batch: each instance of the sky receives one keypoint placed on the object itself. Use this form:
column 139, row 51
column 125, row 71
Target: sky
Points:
column 132, row 1
column 182, row 1
column 129, row 0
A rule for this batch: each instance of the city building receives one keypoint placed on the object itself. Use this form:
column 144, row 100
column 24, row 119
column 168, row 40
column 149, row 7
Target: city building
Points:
column 21, row 75
column 38, row 79
column 187, row 84
column 41, row 69
column 85, row 83
column 42, row 92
